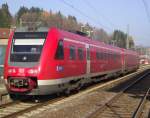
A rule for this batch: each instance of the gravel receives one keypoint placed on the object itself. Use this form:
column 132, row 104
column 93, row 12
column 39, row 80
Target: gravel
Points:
column 76, row 106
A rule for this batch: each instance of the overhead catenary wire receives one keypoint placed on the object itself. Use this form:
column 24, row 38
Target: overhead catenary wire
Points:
column 85, row 15
column 99, row 14
column 146, row 10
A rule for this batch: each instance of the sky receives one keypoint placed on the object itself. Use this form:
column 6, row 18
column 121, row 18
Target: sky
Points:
column 106, row 14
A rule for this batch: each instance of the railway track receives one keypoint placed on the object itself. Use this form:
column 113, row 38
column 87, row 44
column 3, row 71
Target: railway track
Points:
column 124, row 104
column 17, row 108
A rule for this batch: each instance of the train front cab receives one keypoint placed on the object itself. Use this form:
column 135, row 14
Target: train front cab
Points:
column 32, row 68
column 22, row 61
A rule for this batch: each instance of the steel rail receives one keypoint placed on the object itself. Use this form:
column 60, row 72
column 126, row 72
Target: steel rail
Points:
column 108, row 104
column 15, row 114
column 47, row 102
column 140, row 108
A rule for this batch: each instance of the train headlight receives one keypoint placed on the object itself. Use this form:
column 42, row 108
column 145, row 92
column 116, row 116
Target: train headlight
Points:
column 32, row 71
column 26, row 83
column 11, row 71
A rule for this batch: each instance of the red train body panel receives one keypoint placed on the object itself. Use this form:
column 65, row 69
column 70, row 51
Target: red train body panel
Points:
column 40, row 63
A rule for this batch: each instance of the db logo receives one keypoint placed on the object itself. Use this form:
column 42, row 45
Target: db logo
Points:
column 59, row 68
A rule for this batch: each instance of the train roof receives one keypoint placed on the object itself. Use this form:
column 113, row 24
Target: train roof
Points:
column 79, row 36
column 85, row 39
column 94, row 42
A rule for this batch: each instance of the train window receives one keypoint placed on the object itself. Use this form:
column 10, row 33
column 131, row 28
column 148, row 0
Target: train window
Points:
column 100, row 56
column 88, row 54
column 109, row 55
column 72, row 53
column 27, row 46
column 106, row 56
column 60, row 50
column 103, row 56
column 80, row 54
column 112, row 57
column 97, row 55
column 115, row 58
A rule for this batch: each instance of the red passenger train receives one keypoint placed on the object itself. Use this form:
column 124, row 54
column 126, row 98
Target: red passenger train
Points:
column 41, row 63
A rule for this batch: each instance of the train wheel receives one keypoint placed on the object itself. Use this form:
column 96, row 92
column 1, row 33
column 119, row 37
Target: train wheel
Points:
column 13, row 96
column 67, row 92
column 59, row 93
column 79, row 87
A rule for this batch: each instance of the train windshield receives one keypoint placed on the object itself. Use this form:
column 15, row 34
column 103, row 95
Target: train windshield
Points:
column 27, row 47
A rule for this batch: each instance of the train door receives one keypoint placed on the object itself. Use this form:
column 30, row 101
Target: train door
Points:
column 123, row 60
column 88, row 59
